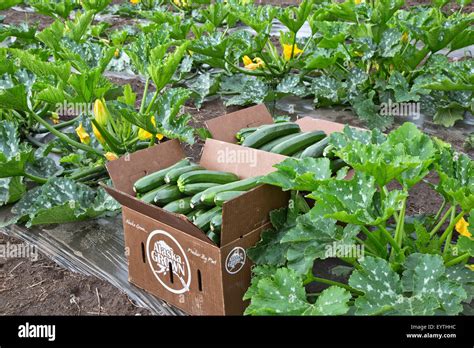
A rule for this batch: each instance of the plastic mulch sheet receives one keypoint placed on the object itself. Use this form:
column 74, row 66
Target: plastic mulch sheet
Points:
column 94, row 247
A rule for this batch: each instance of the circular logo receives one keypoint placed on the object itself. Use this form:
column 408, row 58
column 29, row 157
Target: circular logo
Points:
column 168, row 261
column 235, row 260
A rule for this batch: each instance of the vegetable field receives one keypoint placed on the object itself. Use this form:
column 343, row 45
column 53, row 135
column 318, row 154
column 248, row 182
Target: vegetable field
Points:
column 380, row 219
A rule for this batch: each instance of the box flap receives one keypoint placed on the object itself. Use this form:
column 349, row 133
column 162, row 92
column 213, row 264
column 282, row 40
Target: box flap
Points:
column 250, row 211
column 308, row 124
column 243, row 161
column 174, row 220
column 124, row 174
column 224, row 127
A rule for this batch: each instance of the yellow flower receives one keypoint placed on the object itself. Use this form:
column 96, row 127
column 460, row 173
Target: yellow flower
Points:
column 97, row 134
column 287, row 49
column 111, row 156
column 83, row 135
column 253, row 65
column 101, row 113
column 358, row 2
column 145, row 135
column 54, row 118
column 134, row 2
column 405, row 37
column 471, row 267
column 461, row 227
column 117, row 53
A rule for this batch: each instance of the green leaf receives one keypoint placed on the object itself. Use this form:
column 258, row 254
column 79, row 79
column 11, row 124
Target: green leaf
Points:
column 6, row 4
column 14, row 98
column 403, row 92
column 11, row 190
column 294, row 17
column 391, row 43
column 299, row 174
column 253, row 91
column 332, row 301
column 13, row 154
column 449, row 114
column 466, row 245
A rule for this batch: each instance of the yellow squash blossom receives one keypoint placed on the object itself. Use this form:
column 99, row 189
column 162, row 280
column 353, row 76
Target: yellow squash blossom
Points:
column 461, row 227
column 83, row 135
column 101, row 113
column 110, row 156
column 405, row 37
column 358, row 2
column 145, row 135
column 471, row 267
column 97, row 134
column 288, row 49
column 54, row 118
column 252, row 65
column 135, row 1
column 117, row 53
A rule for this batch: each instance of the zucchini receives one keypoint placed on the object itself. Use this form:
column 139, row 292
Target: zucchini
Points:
column 196, row 201
column 150, row 196
column 225, row 196
column 166, row 194
column 316, row 150
column 156, row 179
column 207, row 197
column 194, row 214
column 265, row 134
column 214, row 237
column 192, row 189
column 172, row 176
column 299, row 142
column 200, row 176
column 297, row 154
column 180, row 206
column 216, row 224
column 337, row 164
column 270, row 145
column 243, row 133
column 203, row 221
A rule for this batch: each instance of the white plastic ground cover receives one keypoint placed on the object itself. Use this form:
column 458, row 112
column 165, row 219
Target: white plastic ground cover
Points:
column 93, row 247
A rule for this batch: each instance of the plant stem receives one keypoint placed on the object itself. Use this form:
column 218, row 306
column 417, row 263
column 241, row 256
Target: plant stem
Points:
column 383, row 310
column 351, row 261
column 35, row 178
column 65, row 138
column 457, row 260
column 86, row 172
column 399, row 231
column 441, row 222
column 332, row 282
column 58, row 126
column 438, row 214
column 391, row 240
column 145, row 92
column 381, row 249
column 447, row 246
column 450, row 227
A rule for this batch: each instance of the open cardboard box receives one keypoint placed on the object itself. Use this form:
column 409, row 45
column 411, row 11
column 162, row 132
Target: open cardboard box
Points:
column 205, row 278
column 225, row 127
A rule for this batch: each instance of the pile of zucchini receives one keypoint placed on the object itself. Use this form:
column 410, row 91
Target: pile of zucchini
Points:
column 189, row 189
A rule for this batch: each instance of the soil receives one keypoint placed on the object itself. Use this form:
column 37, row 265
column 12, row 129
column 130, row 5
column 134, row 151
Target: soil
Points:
column 43, row 288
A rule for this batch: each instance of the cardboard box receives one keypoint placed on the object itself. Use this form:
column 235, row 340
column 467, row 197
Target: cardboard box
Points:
column 225, row 127
column 205, row 278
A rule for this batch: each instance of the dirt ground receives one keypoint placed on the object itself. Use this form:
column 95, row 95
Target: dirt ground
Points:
column 43, row 288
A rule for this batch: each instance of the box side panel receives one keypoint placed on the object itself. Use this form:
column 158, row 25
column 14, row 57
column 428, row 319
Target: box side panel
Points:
column 250, row 211
column 308, row 124
column 236, row 271
column 224, row 127
column 131, row 167
column 171, row 265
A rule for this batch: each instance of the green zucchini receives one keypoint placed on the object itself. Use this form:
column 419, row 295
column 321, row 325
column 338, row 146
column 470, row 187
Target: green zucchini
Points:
column 316, row 150
column 192, row 189
column 150, row 196
column 270, row 145
column 299, row 142
column 156, row 179
column 203, row 221
column 265, row 134
column 225, row 196
column 166, row 194
column 196, row 201
column 214, row 237
column 337, row 164
column 200, row 176
column 297, row 154
column 180, row 206
column 216, row 224
column 243, row 133
column 172, row 176
column 207, row 197
column 195, row 213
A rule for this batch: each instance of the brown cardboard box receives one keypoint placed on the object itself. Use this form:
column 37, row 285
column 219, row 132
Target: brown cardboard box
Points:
column 204, row 278
column 224, row 127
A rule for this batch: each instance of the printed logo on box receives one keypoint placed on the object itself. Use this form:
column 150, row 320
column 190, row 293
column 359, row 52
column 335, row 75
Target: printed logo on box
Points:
column 166, row 255
column 235, row 260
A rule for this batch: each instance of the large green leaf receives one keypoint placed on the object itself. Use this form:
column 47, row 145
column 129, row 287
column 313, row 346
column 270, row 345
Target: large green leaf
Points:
column 13, row 154
column 11, row 189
